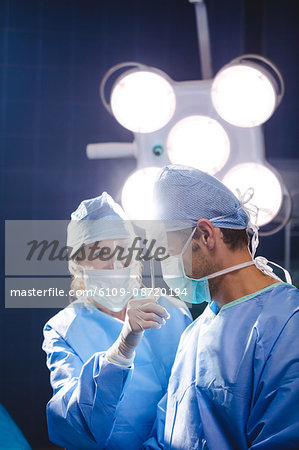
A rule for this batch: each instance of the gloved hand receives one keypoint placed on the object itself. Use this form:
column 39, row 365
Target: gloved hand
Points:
column 141, row 315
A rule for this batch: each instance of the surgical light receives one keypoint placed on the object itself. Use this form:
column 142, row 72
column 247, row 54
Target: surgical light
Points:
column 246, row 91
column 137, row 194
column 198, row 141
column 142, row 99
column 266, row 185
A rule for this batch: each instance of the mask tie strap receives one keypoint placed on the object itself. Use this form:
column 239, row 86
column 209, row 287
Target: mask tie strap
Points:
column 188, row 241
column 230, row 269
column 251, row 211
column 260, row 261
column 263, row 264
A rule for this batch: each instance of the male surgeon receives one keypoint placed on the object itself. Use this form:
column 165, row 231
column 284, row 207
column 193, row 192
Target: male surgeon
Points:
column 235, row 380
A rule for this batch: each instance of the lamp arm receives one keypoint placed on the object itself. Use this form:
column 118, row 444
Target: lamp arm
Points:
column 203, row 37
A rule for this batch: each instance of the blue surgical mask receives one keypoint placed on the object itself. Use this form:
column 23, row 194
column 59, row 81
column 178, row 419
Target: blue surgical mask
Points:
column 191, row 290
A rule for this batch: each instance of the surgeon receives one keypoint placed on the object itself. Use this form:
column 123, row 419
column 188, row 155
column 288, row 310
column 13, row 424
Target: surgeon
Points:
column 235, row 379
column 109, row 355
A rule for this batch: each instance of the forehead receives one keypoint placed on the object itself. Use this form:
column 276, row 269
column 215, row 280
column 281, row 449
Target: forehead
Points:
column 110, row 243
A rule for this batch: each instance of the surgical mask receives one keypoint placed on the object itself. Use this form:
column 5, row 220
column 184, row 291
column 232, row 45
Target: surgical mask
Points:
column 191, row 290
column 196, row 291
column 110, row 288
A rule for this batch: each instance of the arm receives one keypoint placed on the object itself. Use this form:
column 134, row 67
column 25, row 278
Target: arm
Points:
column 140, row 315
column 274, row 417
column 82, row 411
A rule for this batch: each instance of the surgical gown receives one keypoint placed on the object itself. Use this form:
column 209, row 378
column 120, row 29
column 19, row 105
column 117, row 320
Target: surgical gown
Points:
column 97, row 404
column 235, row 380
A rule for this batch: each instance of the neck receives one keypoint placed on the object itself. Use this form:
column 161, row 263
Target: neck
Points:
column 239, row 283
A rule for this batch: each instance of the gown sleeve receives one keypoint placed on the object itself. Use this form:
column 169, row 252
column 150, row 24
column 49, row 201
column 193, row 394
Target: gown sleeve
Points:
column 156, row 440
column 82, row 411
column 274, row 417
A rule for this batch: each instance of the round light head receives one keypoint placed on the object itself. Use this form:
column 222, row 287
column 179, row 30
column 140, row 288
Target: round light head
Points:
column 200, row 142
column 137, row 194
column 143, row 101
column 267, row 188
column 245, row 94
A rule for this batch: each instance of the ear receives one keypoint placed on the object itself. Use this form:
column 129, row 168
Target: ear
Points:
column 205, row 233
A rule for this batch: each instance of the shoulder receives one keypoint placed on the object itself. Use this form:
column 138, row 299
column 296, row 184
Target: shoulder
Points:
column 280, row 302
column 269, row 307
column 62, row 321
column 280, row 305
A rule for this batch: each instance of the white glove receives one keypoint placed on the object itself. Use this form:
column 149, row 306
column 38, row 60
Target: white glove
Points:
column 140, row 315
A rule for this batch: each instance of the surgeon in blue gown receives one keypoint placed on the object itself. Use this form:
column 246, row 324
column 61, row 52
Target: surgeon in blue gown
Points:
column 235, row 379
column 104, row 397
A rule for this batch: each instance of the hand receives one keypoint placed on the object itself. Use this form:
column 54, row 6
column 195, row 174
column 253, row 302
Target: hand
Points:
column 141, row 315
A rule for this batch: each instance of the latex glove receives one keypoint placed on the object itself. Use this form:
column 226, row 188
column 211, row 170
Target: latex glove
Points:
column 141, row 315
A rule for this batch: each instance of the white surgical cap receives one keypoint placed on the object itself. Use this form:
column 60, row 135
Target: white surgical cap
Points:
column 183, row 193
column 97, row 219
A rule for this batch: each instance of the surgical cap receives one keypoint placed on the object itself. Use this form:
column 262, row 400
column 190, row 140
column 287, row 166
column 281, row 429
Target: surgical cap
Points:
column 184, row 194
column 97, row 219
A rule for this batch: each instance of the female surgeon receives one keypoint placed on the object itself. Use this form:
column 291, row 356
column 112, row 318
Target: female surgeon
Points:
column 101, row 400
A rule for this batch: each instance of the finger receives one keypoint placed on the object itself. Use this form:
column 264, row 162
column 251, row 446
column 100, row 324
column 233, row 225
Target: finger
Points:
column 155, row 308
column 139, row 302
column 151, row 317
column 139, row 322
column 146, row 325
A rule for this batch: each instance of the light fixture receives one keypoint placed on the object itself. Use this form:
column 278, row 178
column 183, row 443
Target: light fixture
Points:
column 266, row 185
column 211, row 124
column 200, row 142
column 142, row 99
column 246, row 91
column 137, row 194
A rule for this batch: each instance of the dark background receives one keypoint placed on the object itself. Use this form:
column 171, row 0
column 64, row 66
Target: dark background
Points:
column 53, row 54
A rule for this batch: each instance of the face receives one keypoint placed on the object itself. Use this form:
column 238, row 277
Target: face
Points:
column 176, row 241
column 201, row 263
column 197, row 260
column 103, row 255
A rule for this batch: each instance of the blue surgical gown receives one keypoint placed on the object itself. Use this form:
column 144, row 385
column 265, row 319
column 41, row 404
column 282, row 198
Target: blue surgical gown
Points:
column 97, row 404
column 235, row 379
column 11, row 437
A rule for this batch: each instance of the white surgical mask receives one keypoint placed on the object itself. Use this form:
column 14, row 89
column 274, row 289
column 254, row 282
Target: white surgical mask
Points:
column 110, row 288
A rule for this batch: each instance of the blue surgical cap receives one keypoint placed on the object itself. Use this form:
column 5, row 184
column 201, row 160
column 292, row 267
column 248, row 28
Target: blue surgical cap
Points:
column 185, row 194
column 97, row 219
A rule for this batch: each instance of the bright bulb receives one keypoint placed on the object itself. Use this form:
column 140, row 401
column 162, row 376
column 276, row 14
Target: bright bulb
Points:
column 200, row 142
column 267, row 188
column 243, row 96
column 137, row 194
column 143, row 101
